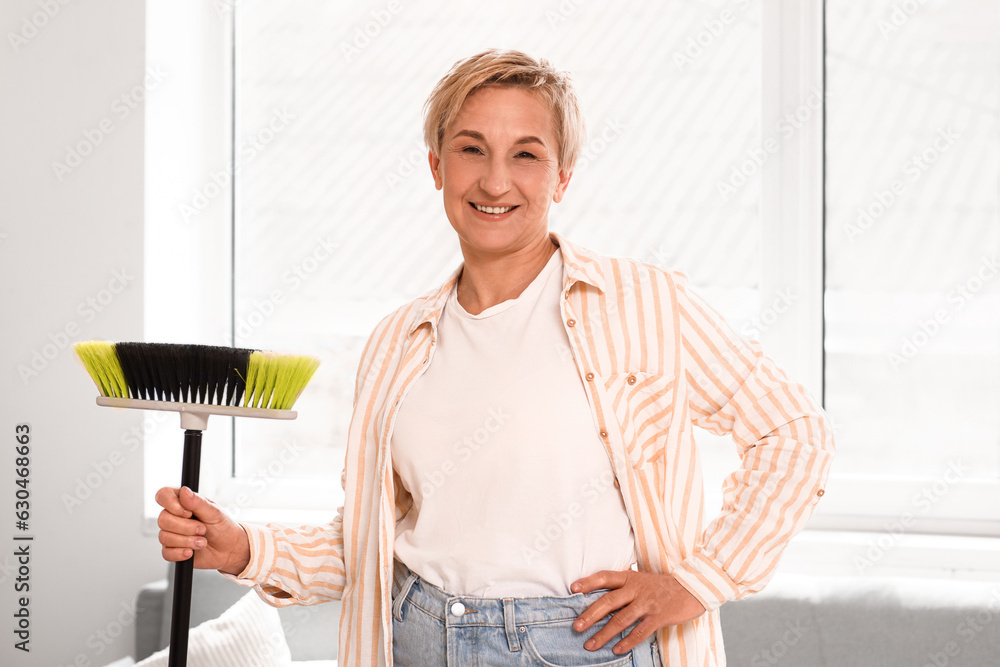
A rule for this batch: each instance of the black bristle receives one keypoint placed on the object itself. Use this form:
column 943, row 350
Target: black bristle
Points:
column 134, row 366
column 194, row 375
column 152, row 357
column 238, row 374
column 152, row 364
column 217, row 386
column 198, row 373
column 130, row 373
column 142, row 355
column 143, row 361
column 221, row 371
column 211, row 361
column 157, row 364
column 172, row 376
column 161, row 383
column 184, row 373
column 168, row 373
column 205, row 373
column 231, row 377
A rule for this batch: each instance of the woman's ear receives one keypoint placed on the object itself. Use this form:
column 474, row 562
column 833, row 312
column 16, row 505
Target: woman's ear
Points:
column 435, row 163
column 564, row 177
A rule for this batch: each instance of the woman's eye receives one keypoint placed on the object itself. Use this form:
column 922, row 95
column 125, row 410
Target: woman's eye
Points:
column 525, row 154
column 471, row 149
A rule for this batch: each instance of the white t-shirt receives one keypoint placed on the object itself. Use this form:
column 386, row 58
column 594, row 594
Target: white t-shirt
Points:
column 513, row 491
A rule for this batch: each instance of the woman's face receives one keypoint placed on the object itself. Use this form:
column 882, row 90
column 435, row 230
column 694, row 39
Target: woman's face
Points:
column 499, row 171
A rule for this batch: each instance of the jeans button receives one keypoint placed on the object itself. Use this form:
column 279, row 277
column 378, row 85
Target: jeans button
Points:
column 457, row 609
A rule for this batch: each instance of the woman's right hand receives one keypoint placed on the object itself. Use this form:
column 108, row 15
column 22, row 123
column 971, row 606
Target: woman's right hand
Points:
column 190, row 523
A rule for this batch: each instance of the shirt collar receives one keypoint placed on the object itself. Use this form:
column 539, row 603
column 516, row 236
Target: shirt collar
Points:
column 579, row 265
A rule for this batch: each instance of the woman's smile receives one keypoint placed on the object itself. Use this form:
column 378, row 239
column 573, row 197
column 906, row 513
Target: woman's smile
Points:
column 494, row 212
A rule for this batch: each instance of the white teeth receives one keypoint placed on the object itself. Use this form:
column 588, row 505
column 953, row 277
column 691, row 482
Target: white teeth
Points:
column 493, row 210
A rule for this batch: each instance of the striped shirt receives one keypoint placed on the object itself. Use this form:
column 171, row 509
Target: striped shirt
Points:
column 655, row 361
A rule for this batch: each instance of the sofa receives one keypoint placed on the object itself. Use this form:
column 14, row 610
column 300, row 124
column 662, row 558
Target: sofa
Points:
column 798, row 621
column 311, row 632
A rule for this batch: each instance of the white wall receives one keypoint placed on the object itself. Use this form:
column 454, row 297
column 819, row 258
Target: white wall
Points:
column 61, row 244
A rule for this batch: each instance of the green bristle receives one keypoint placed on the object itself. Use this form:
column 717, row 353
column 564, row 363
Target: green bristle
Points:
column 293, row 376
column 275, row 382
column 284, row 373
column 263, row 383
column 250, row 379
column 103, row 365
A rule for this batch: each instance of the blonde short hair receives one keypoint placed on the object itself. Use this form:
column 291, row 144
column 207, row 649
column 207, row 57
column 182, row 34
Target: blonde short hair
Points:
column 497, row 67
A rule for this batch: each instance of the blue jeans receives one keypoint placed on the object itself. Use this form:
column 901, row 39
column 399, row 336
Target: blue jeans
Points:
column 432, row 628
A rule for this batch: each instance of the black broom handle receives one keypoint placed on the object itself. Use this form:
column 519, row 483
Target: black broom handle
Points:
column 180, row 612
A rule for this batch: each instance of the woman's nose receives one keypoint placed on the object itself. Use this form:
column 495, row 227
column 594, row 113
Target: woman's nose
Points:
column 496, row 178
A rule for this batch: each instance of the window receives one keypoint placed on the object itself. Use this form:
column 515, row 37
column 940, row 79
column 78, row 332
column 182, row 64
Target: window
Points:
column 912, row 247
column 838, row 221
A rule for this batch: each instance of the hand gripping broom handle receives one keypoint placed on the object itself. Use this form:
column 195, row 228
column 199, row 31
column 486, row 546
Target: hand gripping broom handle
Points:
column 161, row 376
column 180, row 611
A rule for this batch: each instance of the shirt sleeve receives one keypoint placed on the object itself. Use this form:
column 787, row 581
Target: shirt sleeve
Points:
column 785, row 444
column 301, row 565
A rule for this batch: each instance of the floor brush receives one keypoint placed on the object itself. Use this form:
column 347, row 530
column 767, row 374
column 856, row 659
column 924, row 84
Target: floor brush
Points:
column 196, row 381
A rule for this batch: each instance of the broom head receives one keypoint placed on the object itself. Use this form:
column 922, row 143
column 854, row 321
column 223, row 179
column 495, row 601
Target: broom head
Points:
column 202, row 374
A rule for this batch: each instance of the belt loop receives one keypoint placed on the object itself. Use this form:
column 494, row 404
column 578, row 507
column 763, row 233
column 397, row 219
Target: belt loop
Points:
column 399, row 572
column 509, row 624
column 404, row 590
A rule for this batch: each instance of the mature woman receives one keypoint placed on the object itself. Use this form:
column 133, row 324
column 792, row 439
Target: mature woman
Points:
column 521, row 480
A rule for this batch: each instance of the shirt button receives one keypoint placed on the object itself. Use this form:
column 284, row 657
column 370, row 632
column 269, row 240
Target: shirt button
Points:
column 820, row 493
column 631, row 379
column 604, row 434
column 457, row 609
column 590, row 376
column 571, row 323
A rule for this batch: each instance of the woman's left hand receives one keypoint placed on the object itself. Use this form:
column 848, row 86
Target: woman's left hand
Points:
column 657, row 600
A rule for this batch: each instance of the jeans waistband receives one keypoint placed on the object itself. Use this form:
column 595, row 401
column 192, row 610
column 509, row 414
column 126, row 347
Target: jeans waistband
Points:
column 468, row 610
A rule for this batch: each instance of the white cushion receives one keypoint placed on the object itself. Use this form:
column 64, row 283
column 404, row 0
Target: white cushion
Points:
column 248, row 633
